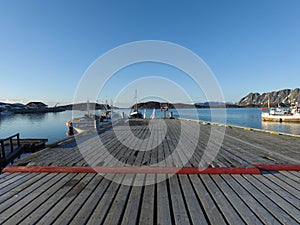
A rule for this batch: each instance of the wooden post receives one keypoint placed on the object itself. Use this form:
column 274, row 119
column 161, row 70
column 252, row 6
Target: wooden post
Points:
column 18, row 139
column 2, row 149
column 11, row 144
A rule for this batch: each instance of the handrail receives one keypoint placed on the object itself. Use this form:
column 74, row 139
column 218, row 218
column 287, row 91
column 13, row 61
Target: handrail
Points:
column 10, row 139
column 12, row 136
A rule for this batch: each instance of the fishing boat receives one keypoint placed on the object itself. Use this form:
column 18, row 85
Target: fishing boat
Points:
column 92, row 122
column 89, row 122
column 5, row 112
column 135, row 114
column 291, row 114
column 86, row 123
column 110, row 114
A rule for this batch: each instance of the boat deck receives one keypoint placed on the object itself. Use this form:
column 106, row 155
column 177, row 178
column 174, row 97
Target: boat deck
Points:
column 143, row 179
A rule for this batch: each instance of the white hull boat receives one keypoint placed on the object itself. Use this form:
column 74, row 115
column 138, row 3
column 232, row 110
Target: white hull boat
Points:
column 282, row 115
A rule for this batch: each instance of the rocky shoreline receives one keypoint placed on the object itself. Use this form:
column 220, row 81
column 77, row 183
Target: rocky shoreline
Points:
column 283, row 98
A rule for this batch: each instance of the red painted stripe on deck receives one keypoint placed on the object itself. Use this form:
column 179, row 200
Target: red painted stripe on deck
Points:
column 278, row 167
column 130, row 170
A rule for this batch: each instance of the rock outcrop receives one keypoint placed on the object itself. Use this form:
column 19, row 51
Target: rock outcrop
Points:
column 284, row 97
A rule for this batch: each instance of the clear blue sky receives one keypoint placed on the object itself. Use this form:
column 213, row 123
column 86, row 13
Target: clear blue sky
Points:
column 46, row 46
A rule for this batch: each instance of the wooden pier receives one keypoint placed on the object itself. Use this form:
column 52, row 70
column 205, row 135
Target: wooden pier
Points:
column 115, row 177
column 13, row 147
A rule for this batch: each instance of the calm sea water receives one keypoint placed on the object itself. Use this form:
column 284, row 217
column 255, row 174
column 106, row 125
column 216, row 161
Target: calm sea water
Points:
column 53, row 125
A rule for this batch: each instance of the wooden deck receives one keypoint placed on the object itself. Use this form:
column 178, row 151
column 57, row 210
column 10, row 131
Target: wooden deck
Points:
column 271, row 197
column 13, row 147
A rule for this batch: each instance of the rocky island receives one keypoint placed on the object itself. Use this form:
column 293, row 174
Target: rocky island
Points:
column 284, row 98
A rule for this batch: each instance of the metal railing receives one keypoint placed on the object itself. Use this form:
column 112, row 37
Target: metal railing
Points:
column 11, row 145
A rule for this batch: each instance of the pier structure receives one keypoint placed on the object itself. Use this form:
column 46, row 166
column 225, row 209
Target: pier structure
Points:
column 154, row 172
column 13, row 147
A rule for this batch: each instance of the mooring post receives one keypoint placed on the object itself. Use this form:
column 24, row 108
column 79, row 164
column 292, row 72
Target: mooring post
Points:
column 2, row 149
column 18, row 139
column 11, row 144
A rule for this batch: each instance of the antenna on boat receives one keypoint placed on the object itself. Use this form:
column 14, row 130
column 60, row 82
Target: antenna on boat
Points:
column 88, row 106
column 111, row 105
column 135, row 96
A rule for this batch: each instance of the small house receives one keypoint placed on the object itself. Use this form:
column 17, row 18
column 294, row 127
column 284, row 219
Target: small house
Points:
column 36, row 105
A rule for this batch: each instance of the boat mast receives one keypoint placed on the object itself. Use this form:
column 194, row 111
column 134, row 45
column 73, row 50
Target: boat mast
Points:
column 135, row 96
column 88, row 107
column 269, row 101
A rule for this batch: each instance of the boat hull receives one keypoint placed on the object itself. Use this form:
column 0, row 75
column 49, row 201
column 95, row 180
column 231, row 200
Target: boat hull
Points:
column 281, row 118
column 136, row 115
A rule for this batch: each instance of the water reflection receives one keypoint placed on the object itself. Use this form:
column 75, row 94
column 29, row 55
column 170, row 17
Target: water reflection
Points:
column 293, row 128
column 52, row 125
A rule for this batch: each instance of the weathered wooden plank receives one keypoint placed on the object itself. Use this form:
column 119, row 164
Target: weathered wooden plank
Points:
column 183, row 160
column 161, row 161
column 265, row 216
column 243, row 210
column 88, row 206
column 63, row 198
column 180, row 213
column 132, row 211
column 6, row 176
column 223, row 204
column 273, row 194
column 13, row 181
column 265, row 150
column 54, row 193
column 22, row 183
column 297, row 174
column 292, row 175
column 100, row 212
column 168, row 150
column 123, row 152
column 36, row 192
column 94, row 191
column 194, row 140
column 148, row 207
column 139, row 160
column 194, row 208
column 163, row 201
column 133, row 142
column 272, row 207
column 287, row 187
column 172, row 145
column 105, row 155
column 117, row 209
column 273, row 143
column 210, row 209
column 289, row 179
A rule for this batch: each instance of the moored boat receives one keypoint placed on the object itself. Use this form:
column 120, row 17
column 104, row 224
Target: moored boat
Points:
column 135, row 114
column 86, row 123
column 282, row 114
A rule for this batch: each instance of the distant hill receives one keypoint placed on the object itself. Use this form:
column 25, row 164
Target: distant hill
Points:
column 156, row 105
column 84, row 106
column 283, row 97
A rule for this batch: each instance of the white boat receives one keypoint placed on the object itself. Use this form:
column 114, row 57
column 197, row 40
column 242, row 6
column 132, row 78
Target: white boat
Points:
column 153, row 114
column 91, row 122
column 282, row 114
column 86, row 123
column 135, row 114
column 5, row 113
column 5, row 110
